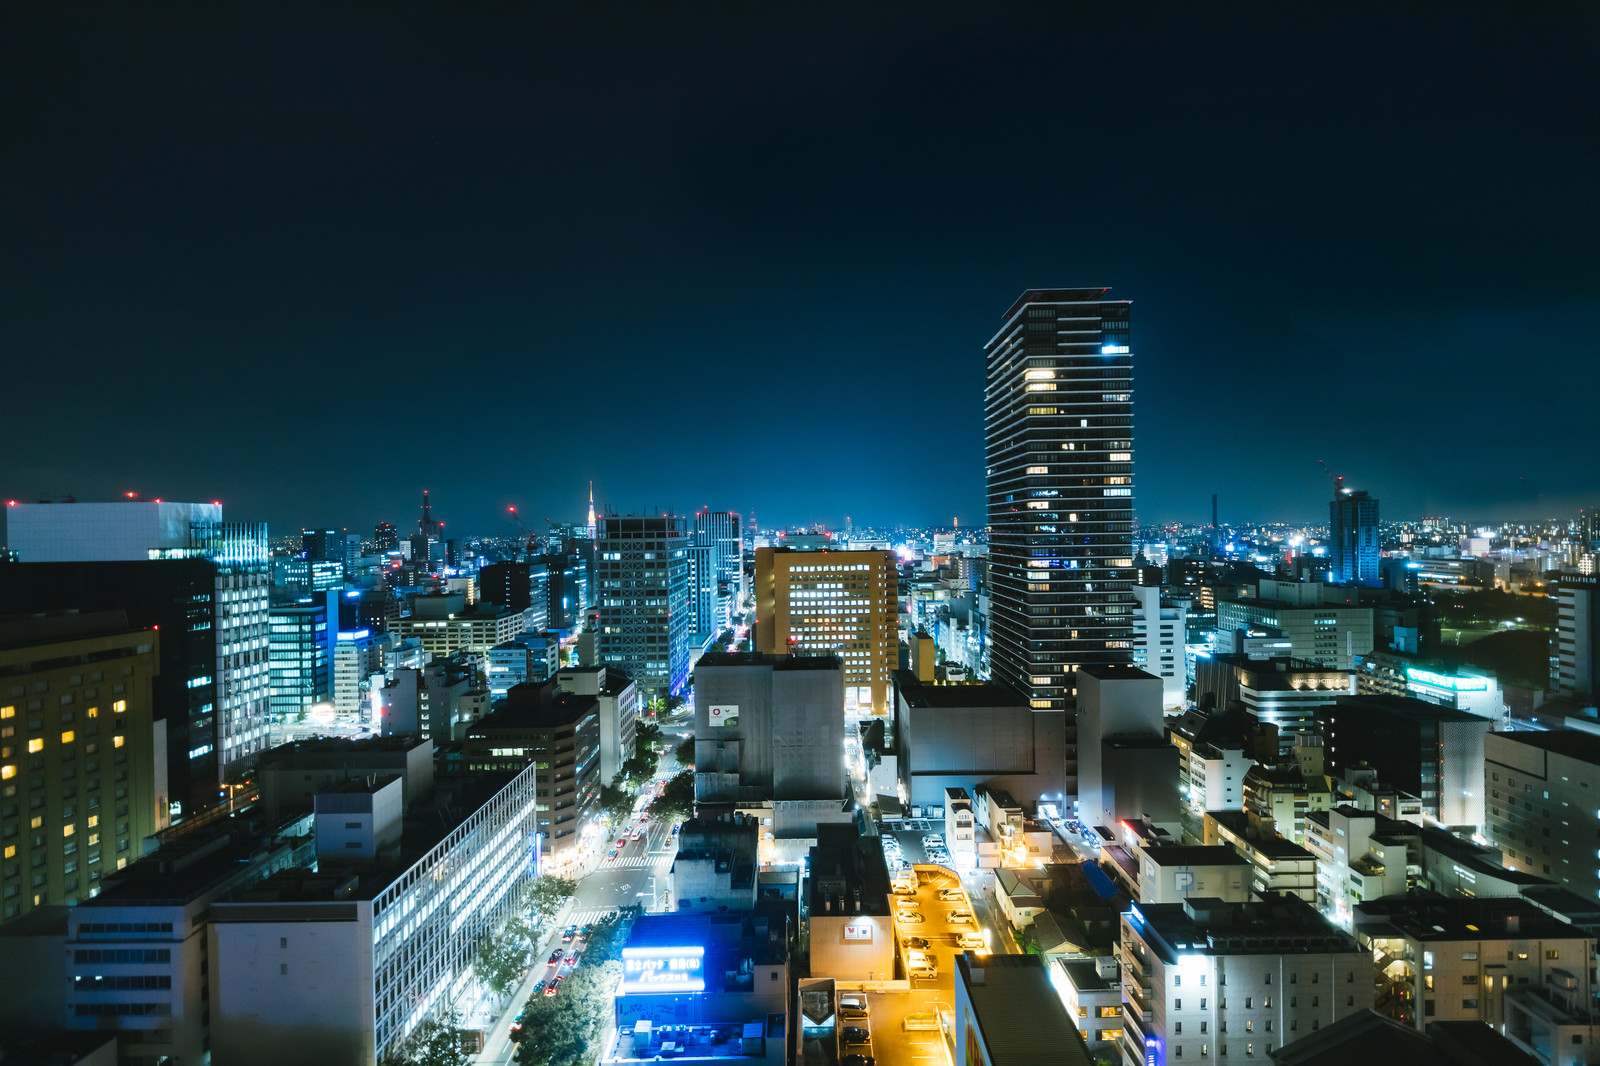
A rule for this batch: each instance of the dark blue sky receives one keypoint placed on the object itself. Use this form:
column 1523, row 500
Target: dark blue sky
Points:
column 747, row 255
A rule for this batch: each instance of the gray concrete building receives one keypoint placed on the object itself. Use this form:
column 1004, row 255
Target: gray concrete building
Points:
column 972, row 735
column 618, row 700
column 769, row 727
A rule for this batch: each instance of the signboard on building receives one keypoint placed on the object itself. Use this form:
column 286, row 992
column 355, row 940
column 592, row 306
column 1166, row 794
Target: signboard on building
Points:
column 858, row 930
column 724, row 715
column 647, row 971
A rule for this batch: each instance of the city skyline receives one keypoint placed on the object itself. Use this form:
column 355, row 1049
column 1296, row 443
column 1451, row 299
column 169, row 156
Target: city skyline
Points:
column 385, row 228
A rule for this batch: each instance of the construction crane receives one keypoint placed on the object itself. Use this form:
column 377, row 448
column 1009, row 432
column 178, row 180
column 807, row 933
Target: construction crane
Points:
column 1337, row 479
column 533, row 540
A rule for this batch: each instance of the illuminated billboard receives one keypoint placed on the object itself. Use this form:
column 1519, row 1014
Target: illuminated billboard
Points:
column 662, row 970
column 725, row 715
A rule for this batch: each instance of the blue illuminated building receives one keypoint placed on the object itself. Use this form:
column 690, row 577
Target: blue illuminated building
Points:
column 1353, row 529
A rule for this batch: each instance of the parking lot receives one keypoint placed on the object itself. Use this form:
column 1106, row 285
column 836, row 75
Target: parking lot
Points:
column 891, row 1044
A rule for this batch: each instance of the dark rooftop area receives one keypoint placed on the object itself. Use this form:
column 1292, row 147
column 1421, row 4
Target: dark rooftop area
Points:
column 777, row 662
column 974, row 694
column 21, row 631
column 1573, row 743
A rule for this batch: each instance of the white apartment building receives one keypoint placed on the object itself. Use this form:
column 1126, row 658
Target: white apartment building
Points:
column 1205, row 981
column 1361, row 856
column 1216, row 777
column 1158, row 643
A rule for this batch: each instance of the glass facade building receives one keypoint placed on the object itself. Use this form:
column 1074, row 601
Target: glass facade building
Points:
column 1058, row 412
column 643, row 590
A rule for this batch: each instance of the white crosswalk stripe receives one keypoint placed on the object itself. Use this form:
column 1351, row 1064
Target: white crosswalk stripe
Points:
column 592, row 915
column 637, row 861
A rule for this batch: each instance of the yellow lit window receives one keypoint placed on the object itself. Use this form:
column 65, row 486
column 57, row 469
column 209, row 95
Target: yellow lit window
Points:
column 1038, row 469
column 36, row 823
column 35, row 745
column 68, row 829
column 94, row 838
column 92, row 712
column 1041, row 386
column 8, row 712
column 68, row 736
column 11, row 851
column 7, row 772
column 116, row 742
column 94, row 820
column 1039, row 375
column 120, row 706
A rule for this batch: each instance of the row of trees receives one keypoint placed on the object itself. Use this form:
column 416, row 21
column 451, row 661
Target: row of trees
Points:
column 570, row 1029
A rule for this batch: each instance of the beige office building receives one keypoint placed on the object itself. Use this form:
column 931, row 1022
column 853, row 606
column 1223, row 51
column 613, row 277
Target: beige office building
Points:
column 81, row 783
column 844, row 603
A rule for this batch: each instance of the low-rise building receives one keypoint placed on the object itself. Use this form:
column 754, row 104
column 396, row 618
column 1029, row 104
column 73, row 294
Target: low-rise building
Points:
column 1172, row 873
column 1205, row 981
column 445, row 624
column 1007, row 1014
column 1476, row 960
column 703, row 987
column 715, row 867
column 852, row 929
column 1092, row 993
column 1276, row 864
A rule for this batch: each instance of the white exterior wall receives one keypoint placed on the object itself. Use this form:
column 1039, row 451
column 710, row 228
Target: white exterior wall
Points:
column 1158, row 643
column 294, row 991
column 1252, row 1004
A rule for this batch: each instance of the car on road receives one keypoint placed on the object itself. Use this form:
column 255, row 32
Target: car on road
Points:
column 853, row 1006
column 950, row 895
column 920, row 943
column 540, row 987
column 611, row 854
column 551, row 990
column 568, row 933
column 622, row 842
column 572, row 960
column 854, row 1034
column 911, row 917
column 555, row 956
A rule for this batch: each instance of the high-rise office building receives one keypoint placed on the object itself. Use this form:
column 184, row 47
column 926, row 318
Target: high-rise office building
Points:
column 643, row 599
column 1059, row 426
column 82, row 782
column 300, row 650
column 519, row 586
column 322, row 545
column 1575, row 645
column 723, row 531
column 703, row 589
column 1353, row 529
column 233, row 724
column 840, row 603
column 385, row 537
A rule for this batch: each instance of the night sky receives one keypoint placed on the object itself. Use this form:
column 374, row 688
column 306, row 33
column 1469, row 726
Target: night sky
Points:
column 747, row 255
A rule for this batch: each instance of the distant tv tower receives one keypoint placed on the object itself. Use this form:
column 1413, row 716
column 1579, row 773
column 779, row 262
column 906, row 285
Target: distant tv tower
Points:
column 426, row 525
column 591, row 511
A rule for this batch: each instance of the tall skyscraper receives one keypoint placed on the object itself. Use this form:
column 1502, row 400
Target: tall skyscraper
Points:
column 1353, row 529
column 1059, row 426
column 385, row 537
column 643, row 598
